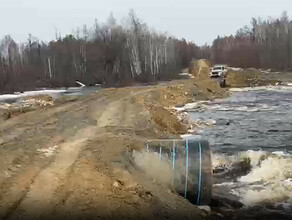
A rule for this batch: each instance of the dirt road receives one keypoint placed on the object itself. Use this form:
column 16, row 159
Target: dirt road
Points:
column 74, row 161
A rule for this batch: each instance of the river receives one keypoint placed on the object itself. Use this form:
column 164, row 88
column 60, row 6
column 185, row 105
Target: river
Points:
column 252, row 147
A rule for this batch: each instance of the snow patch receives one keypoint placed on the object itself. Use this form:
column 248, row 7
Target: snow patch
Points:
column 48, row 151
column 30, row 93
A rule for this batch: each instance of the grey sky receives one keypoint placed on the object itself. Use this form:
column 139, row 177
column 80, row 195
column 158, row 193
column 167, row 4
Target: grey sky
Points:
column 199, row 21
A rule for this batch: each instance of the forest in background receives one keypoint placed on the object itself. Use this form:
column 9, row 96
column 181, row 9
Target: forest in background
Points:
column 109, row 54
column 115, row 54
column 265, row 43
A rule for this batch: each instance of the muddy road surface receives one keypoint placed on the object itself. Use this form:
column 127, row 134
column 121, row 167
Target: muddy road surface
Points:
column 74, row 160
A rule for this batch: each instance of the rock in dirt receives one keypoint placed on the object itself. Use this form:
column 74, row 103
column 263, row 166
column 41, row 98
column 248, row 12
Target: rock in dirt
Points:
column 146, row 195
column 205, row 208
column 118, row 184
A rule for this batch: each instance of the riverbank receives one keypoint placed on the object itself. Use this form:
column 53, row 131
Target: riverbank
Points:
column 250, row 135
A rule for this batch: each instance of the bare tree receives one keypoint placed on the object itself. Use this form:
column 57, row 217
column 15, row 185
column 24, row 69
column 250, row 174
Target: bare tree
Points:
column 111, row 54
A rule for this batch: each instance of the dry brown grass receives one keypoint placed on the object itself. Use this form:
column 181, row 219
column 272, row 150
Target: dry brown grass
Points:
column 46, row 98
column 12, row 112
column 65, row 99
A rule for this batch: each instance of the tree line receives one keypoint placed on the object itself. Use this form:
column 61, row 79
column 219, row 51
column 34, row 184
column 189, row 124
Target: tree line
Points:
column 265, row 43
column 115, row 54
column 109, row 53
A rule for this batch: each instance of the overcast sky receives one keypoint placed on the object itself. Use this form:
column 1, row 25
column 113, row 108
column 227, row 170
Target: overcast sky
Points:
column 199, row 21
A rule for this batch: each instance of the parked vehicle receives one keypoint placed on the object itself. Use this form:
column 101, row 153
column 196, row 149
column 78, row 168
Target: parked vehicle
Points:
column 218, row 71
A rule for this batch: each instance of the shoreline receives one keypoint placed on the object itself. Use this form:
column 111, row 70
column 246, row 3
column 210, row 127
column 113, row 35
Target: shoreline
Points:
column 104, row 128
column 235, row 161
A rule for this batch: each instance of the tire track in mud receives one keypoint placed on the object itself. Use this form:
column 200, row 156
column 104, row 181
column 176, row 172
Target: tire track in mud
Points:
column 29, row 194
column 37, row 199
column 18, row 192
column 120, row 112
column 87, row 176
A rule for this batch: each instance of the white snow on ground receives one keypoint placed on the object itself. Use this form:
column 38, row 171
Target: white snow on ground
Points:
column 30, row 93
column 189, row 106
column 187, row 74
column 268, row 71
column 235, row 69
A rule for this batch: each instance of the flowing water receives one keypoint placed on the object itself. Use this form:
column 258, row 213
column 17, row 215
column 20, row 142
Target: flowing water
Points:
column 252, row 147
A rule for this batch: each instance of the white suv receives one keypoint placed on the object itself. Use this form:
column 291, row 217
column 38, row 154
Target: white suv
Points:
column 218, row 71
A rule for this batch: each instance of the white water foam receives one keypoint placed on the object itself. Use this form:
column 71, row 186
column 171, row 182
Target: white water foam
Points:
column 269, row 88
column 245, row 89
column 259, row 107
column 192, row 105
column 201, row 106
column 268, row 182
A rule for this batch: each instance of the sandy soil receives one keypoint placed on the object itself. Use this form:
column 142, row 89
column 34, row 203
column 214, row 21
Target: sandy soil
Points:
column 252, row 77
column 74, row 160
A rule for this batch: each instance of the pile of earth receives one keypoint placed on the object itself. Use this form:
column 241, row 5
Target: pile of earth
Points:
column 200, row 68
column 250, row 77
column 161, row 102
column 236, row 77
column 31, row 103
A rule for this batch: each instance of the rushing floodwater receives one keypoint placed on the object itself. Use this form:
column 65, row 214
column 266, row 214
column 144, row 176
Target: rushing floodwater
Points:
column 252, row 146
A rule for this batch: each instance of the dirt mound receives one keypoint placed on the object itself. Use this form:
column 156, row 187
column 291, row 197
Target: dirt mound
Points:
column 44, row 98
column 158, row 102
column 15, row 111
column 205, row 87
column 200, row 68
column 161, row 101
column 172, row 95
column 32, row 103
column 248, row 78
column 166, row 120
column 81, row 153
column 26, row 104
